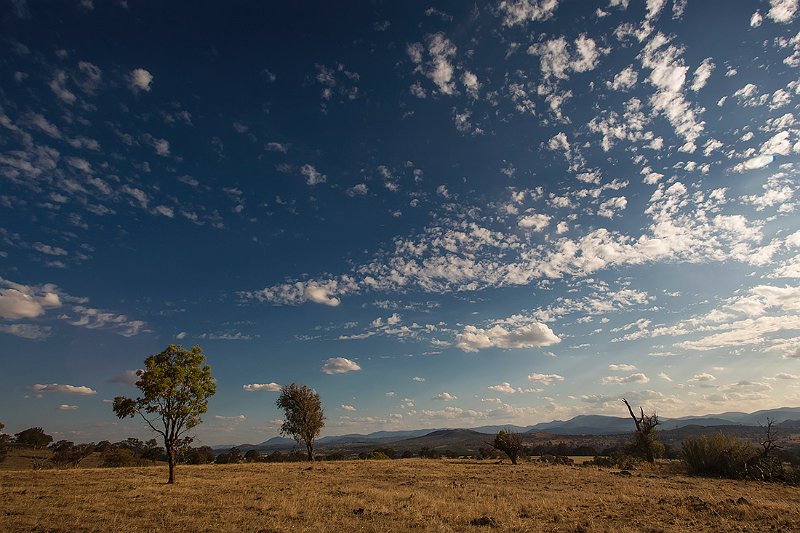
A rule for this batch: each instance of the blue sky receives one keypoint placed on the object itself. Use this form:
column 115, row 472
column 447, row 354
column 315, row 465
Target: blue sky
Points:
column 436, row 215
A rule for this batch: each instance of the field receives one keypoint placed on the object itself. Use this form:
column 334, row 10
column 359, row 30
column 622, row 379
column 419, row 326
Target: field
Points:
column 414, row 494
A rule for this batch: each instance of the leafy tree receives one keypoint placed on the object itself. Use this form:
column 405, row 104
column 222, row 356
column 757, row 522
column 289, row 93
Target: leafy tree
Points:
column 66, row 452
column 198, row 456
column 176, row 386
column 304, row 417
column 646, row 443
column 252, row 456
column 510, row 443
column 152, row 451
column 33, row 438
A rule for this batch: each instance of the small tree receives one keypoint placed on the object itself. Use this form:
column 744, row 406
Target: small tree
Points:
column 510, row 443
column 304, row 417
column 646, row 443
column 33, row 438
column 4, row 439
column 252, row 456
column 176, row 386
column 68, row 453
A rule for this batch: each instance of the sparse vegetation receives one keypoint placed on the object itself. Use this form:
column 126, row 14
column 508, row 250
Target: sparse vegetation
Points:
column 304, row 416
column 646, row 442
column 399, row 495
column 176, row 386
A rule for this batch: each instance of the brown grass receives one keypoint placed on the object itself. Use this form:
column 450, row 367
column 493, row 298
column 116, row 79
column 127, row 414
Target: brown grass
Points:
column 421, row 495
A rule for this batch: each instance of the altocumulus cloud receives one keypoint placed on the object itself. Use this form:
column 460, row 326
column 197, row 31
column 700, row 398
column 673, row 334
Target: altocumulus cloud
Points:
column 254, row 387
column 339, row 365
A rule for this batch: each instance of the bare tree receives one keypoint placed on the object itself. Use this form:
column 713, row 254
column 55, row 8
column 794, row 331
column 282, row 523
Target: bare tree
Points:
column 646, row 439
column 510, row 443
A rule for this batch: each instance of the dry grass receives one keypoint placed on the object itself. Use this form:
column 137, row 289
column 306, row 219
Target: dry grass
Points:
column 421, row 495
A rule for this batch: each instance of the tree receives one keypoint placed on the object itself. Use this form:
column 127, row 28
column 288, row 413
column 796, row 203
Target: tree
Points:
column 304, row 417
column 4, row 439
column 66, row 452
column 252, row 456
column 646, row 443
column 510, row 443
column 33, row 438
column 176, row 386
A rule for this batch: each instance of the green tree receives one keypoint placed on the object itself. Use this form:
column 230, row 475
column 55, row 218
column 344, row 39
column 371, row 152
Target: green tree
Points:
column 304, row 417
column 4, row 439
column 510, row 443
column 33, row 438
column 176, row 386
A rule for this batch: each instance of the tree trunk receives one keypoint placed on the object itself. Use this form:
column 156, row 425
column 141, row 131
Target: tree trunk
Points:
column 310, row 450
column 171, row 461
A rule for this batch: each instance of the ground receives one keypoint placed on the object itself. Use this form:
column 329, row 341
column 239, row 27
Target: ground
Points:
column 414, row 494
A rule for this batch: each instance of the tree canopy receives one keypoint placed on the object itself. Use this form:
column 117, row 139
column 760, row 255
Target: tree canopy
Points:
column 176, row 386
column 304, row 417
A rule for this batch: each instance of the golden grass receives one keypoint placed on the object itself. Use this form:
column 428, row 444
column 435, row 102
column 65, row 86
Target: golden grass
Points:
column 420, row 495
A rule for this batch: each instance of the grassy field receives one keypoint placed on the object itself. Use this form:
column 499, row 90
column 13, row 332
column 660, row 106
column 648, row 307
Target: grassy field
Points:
column 420, row 495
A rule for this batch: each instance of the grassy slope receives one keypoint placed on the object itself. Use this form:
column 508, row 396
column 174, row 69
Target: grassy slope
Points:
column 414, row 494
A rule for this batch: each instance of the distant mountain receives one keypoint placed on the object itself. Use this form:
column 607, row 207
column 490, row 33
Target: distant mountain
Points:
column 582, row 425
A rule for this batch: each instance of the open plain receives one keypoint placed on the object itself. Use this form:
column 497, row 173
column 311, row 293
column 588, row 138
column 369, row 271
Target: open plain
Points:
column 400, row 495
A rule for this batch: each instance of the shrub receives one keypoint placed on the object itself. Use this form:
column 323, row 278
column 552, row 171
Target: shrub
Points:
column 377, row 455
column 119, row 457
column 718, row 455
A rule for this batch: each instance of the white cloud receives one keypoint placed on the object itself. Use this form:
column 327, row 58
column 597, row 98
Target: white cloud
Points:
column 140, row 79
column 26, row 331
column 313, row 177
column 625, row 80
column 254, row 387
column 545, row 379
column 339, row 365
column 66, row 407
column 531, row 335
column 756, row 19
column 621, row 367
column 639, row 377
column 702, row 378
column 503, row 387
column 782, row 11
column 23, row 301
column 63, row 389
column 347, row 408
column 418, row 379
column 516, row 12
column 754, row 163
column 535, row 222
column 445, row 397
column 702, row 74
column 611, row 206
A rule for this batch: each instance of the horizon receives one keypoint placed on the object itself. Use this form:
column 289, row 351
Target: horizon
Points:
column 436, row 215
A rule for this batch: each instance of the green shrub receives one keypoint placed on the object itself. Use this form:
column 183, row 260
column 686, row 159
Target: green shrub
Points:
column 377, row 455
column 718, row 455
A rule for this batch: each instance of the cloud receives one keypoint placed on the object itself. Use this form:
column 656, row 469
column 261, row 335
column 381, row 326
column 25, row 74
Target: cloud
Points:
column 254, row 387
column 347, row 408
column 276, row 147
column 313, row 177
column 65, row 407
column 503, row 387
column 702, row 378
column 26, row 331
column 128, row 377
column 140, row 79
column 639, row 377
column 535, row 222
column 63, row 389
column 545, row 379
column 621, row 367
column 782, row 11
column 520, row 12
column 339, row 365
column 418, row 379
column 238, row 418
column 532, row 335
column 26, row 301
column 445, row 397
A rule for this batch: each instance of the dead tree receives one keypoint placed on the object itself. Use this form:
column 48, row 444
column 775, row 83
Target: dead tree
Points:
column 768, row 465
column 646, row 440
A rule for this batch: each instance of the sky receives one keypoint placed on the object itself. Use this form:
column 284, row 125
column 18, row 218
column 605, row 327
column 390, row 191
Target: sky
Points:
column 434, row 214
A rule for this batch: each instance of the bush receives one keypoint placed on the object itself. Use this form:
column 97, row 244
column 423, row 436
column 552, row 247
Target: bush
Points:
column 119, row 457
column 377, row 456
column 718, row 455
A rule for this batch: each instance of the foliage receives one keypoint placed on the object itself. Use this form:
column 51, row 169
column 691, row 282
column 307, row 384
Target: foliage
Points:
column 176, row 386
column 233, row 456
column 304, row 417
column 510, row 443
column 4, row 440
column 33, row 438
column 719, row 455
column 117, row 456
column 68, row 453
column 197, row 456
column 252, row 456
column 376, row 455
column 427, row 453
